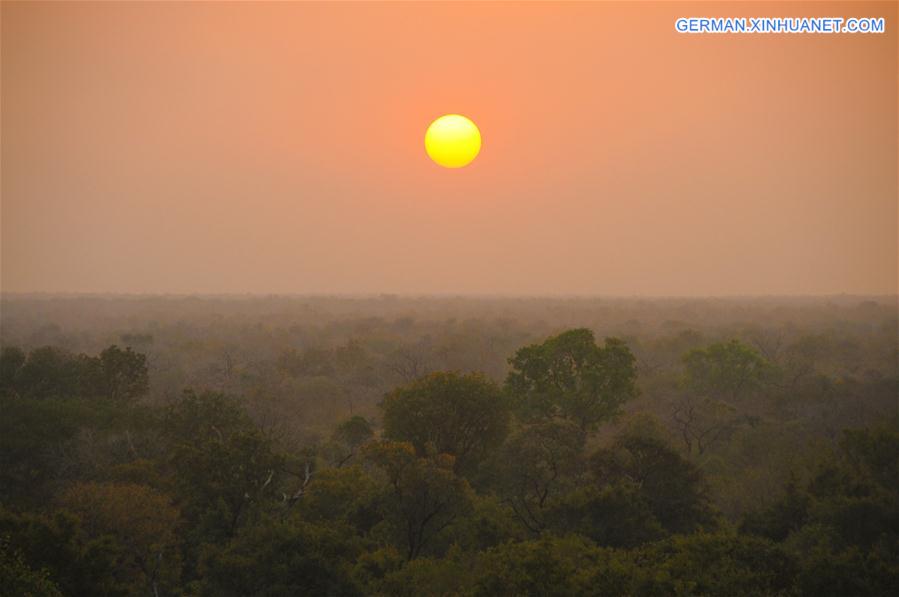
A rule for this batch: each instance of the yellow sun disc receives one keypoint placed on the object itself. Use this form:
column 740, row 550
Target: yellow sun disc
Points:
column 453, row 141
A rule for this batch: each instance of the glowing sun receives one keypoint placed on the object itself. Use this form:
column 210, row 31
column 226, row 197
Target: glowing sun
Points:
column 453, row 141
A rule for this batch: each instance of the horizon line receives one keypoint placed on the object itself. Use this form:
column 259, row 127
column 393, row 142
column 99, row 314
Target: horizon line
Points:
column 436, row 295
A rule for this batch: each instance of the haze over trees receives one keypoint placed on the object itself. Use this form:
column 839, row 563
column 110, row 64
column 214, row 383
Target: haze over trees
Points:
column 447, row 446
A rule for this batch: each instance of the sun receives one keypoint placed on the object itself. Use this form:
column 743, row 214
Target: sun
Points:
column 453, row 141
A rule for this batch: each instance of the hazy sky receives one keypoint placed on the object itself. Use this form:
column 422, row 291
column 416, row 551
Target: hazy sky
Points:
column 240, row 147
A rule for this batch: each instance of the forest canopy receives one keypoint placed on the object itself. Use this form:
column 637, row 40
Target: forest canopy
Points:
column 447, row 446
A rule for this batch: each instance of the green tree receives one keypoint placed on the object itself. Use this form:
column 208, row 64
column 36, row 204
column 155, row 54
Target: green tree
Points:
column 715, row 566
column 616, row 515
column 55, row 543
column 551, row 567
column 463, row 415
column 570, row 376
column 873, row 454
column 725, row 370
column 123, row 373
column 672, row 487
column 538, row 464
column 346, row 440
column 849, row 572
column 855, row 496
column 222, row 464
column 843, row 525
column 17, row 579
column 341, row 496
column 281, row 557
column 703, row 422
column 36, row 437
column 424, row 576
column 49, row 373
column 423, row 496
column 781, row 518
column 715, row 380
column 12, row 359
column 144, row 523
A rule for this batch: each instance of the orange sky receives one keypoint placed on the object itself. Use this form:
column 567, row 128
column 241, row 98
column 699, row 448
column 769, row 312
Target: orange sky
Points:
column 278, row 147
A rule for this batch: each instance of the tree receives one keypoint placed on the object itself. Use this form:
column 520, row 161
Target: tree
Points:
column 570, row 376
column 350, row 357
column 855, row 496
column 724, row 371
column 35, row 442
column 615, row 515
column 143, row 521
column 715, row 379
column 348, row 438
column 800, row 360
column 551, row 567
column 703, row 422
column 123, row 373
column 424, row 576
column 12, row 359
column 56, row 544
column 460, row 414
column 281, row 557
column 221, row 463
column 409, row 363
column 714, row 565
column 672, row 487
column 535, row 466
column 423, row 495
column 313, row 362
column 49, row 373
column 344, row 496
column 844, row 523
column 17, row 579
column 777, row 521
column 849, row 572
column 874, row 453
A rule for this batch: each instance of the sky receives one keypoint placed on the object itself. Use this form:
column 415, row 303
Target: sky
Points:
column 279, row 148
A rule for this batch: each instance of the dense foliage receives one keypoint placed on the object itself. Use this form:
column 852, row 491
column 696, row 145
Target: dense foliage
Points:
column 394, row 446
